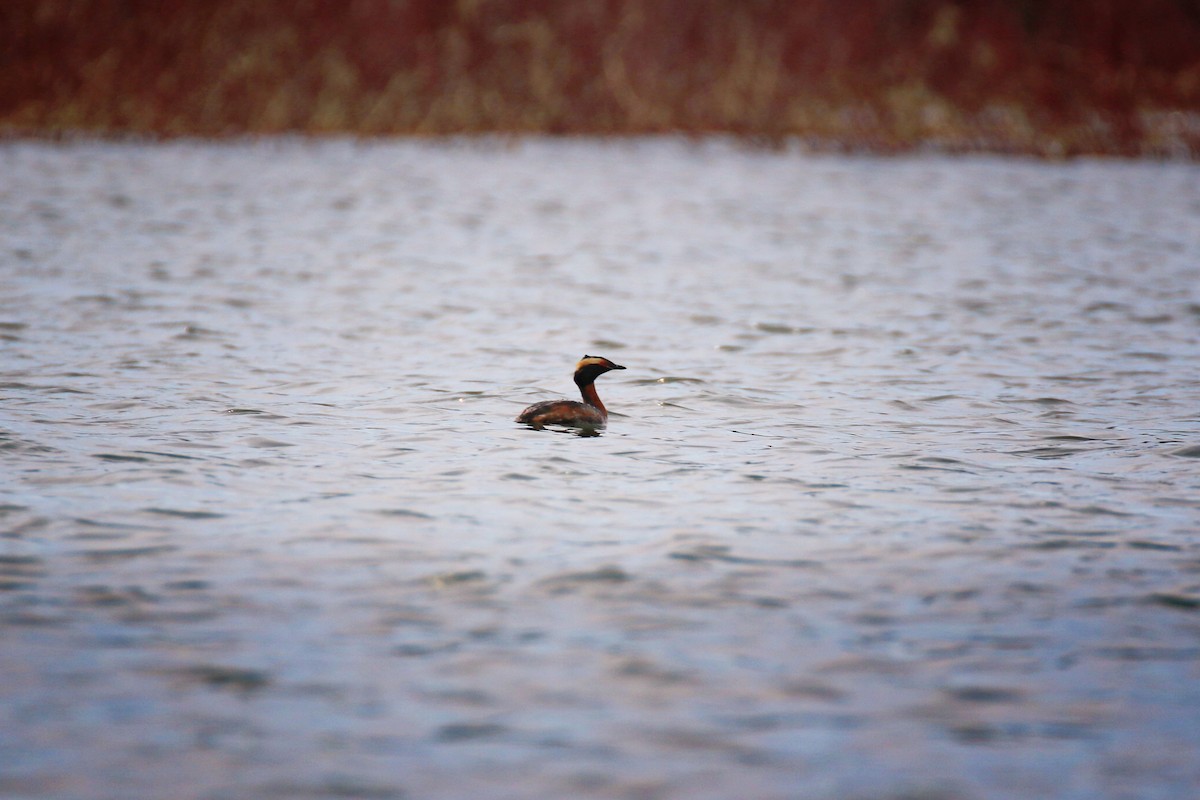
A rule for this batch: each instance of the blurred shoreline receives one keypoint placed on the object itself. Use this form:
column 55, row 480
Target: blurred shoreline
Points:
column 1058, row 78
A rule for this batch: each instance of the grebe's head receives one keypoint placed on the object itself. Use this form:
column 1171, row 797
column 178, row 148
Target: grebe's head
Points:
column 591, row 367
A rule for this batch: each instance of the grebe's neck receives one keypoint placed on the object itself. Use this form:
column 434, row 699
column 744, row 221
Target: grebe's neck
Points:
column 588, row 390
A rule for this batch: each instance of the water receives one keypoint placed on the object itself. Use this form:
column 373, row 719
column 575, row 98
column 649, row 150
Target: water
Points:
column 899, row 497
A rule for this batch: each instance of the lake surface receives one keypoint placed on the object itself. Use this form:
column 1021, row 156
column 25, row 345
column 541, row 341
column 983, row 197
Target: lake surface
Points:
column 900, row 495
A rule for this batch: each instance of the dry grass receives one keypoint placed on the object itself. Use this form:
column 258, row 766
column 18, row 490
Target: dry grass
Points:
column 1053, row 77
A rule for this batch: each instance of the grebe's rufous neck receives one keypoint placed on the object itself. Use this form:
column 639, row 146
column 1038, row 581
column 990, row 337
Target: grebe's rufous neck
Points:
column 591, row 413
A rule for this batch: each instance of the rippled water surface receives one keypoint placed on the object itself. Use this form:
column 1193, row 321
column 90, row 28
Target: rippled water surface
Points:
column 899, row 498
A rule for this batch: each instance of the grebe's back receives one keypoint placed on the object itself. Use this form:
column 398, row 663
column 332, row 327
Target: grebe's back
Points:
column 590, row 413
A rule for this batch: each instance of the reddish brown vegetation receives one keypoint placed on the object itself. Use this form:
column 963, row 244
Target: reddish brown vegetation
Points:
column 1042, row 76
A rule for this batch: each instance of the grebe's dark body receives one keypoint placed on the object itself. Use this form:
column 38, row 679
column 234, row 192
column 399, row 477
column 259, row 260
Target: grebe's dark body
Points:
column 591, row 413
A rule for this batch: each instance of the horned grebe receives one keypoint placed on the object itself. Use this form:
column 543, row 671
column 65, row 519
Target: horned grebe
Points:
column 591, row 413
